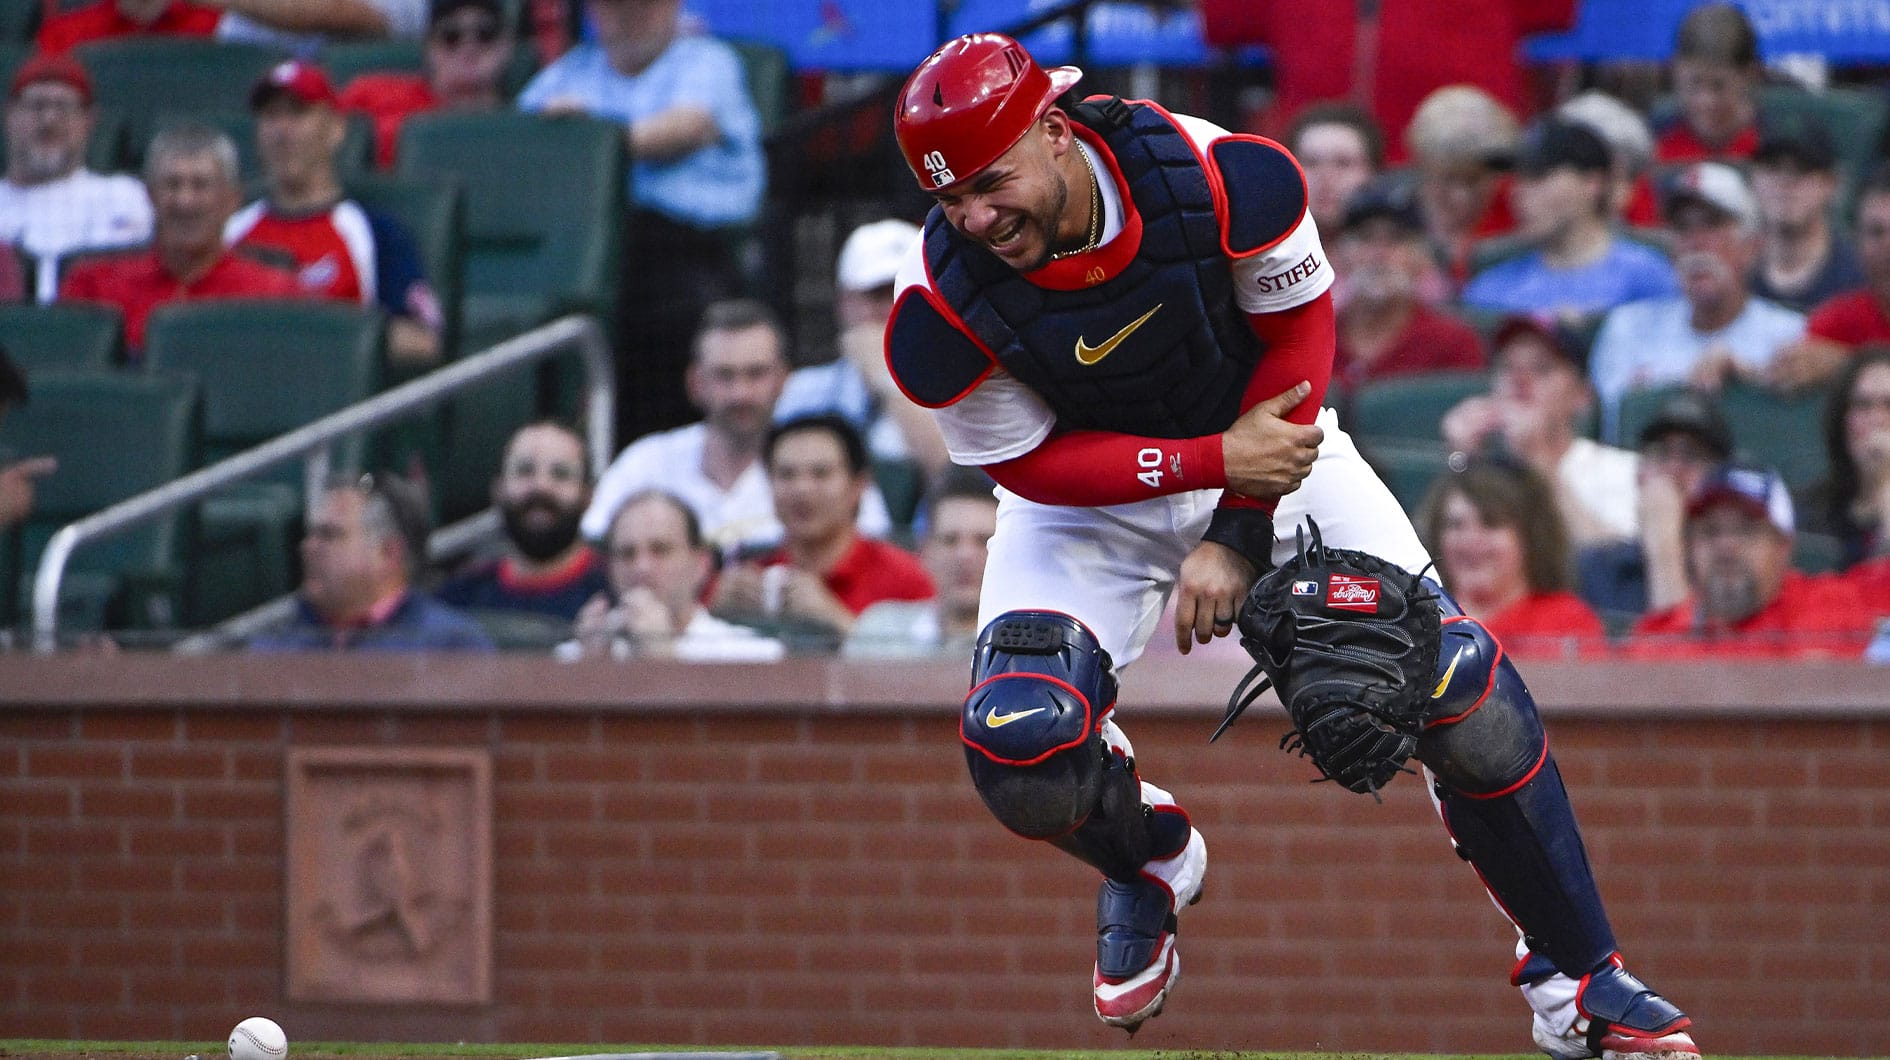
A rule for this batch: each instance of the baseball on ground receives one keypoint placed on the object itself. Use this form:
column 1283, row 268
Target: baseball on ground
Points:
column 258, row 1038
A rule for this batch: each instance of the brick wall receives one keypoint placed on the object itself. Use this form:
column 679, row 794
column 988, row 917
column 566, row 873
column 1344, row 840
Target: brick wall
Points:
column 804, row 863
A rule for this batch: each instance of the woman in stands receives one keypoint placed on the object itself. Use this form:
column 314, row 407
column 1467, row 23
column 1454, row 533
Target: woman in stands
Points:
column 1503, row 552
column 1852, row 503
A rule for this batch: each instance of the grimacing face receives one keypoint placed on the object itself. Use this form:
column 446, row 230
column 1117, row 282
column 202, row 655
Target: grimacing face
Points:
column 1016, row 207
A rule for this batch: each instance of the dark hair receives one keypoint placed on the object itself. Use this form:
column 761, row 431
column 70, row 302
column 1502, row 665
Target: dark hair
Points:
column 1717, row 33
column 851, row 444
column 958, row 483
column 1841, row 482
column 1505, row 492
column 12, row 382
column 1875, row 182
column 738, row 314
column 556, row 423
column 393, row 506
column 1339, row 112
column 692, row 525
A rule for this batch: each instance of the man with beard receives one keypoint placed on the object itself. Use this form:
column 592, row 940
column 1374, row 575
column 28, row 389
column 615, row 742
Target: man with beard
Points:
column 737, row 368
column 1715, row 328
column 1746, row 598
column 1385, row 329
column 541, row 490
column 50, row 203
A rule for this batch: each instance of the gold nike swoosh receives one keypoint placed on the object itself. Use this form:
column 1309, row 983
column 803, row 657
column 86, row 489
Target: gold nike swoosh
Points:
column 1444, row 681
column 994, row 720
column 1087, row 354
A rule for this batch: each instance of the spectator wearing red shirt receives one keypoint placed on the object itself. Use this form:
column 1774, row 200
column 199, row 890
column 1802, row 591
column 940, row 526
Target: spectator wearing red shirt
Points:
column 1503, row 553
column 1716, row 76
column 1849, row 320
column 341, row 250
column 824, row 574
column 1384, row 327
column 468, row 46
column 109, row 19
column 1746, row 598
column 190, row 173
column 1386, row 56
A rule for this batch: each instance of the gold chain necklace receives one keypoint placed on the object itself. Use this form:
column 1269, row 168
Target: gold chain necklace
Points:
column 1095, row 212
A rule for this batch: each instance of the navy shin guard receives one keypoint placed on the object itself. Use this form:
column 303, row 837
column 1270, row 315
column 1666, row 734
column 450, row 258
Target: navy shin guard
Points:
column 1502, row 799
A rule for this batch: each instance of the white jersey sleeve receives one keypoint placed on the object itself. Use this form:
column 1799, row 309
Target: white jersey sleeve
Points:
column 1000, row 419
column 1289, row 273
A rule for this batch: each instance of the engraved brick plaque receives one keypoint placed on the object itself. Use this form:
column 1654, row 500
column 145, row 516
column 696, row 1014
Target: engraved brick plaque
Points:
column 389, row 875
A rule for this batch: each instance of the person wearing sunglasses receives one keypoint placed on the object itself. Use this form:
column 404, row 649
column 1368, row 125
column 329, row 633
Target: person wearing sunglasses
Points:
column 468, row 48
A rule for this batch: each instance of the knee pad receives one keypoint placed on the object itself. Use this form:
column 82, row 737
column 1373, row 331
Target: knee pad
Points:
column 1482, row 733
column 1031, row 725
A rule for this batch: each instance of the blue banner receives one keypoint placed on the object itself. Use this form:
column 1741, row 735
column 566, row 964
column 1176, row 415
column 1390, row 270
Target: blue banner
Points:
column 1843, row 31
column 893, row 35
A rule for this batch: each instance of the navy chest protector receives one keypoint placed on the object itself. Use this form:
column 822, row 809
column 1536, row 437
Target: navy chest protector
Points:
column 1160, row 348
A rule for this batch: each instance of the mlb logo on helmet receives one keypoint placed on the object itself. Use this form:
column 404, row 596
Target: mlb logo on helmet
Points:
column 1347, row 593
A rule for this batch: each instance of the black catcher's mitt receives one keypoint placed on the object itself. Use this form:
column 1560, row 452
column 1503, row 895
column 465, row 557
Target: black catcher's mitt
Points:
column 1351, row 642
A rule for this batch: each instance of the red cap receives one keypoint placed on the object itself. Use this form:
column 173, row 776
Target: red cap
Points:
column 968, row 102
column 61, row 68
column 296, row 77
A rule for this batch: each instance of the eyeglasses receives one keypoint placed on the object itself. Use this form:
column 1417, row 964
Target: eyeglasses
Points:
column 454, row 36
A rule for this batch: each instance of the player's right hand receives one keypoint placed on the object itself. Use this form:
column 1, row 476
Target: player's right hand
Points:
column 1266, row 455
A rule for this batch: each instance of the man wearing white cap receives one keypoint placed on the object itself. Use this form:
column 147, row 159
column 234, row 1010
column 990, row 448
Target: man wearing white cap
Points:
column 1716, row 328
column 856, row 383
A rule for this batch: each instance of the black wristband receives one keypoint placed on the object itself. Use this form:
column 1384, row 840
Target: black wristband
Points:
column 1248, row 531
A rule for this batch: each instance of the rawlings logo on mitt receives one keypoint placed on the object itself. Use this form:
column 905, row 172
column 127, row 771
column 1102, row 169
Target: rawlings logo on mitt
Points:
column 1350, row 641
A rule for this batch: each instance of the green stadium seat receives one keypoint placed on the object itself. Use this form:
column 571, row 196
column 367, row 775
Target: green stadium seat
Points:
column 346, row 60
column 265, row 367
column 770, row 80
column 64, row 335
column 19, row 20
column 1782, row 430
column 145, row 77
column 1410, row 407
column 115, row 435
column 545, row 200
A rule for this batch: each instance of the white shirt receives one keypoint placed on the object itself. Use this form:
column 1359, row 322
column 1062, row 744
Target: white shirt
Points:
column 81, row 211
column 705, row 639
column 1602, row 479
column 1652, row 342
column 734, row 520
column 1001, row 418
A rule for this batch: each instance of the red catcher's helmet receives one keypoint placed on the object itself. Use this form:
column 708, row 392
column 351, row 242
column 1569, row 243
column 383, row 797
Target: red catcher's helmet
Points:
column 968, row 102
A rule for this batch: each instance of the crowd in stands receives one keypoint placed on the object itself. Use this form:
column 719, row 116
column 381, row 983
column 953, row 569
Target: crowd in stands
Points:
column 1593, row 282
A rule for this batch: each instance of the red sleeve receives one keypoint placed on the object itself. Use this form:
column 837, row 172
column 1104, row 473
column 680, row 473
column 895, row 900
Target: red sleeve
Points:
column 1092, row 468
column 1300, row 343
column 1835, row 319
column 1544, row 16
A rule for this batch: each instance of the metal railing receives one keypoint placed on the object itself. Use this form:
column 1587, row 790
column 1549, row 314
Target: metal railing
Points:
column 311, row 443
